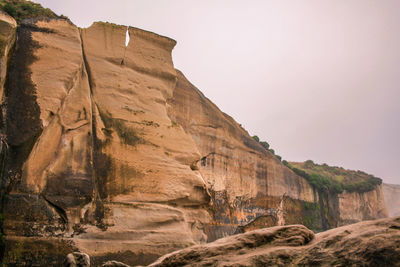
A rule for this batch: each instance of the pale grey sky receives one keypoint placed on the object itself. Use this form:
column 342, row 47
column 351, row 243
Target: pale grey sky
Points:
column 317, row 79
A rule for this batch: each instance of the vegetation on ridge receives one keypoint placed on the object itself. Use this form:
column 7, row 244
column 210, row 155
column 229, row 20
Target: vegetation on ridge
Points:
column 334, row 179
column 326, row 178
column 266, row 146
column 20, row 9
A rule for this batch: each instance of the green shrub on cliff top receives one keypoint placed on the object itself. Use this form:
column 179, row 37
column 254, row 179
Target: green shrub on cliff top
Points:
column 255, row 137
column 363, row 186
column 334, row 179
column 266, row 146
column 19, row 10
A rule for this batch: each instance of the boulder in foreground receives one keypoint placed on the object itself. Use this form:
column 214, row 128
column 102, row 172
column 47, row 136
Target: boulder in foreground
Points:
column 369, row 243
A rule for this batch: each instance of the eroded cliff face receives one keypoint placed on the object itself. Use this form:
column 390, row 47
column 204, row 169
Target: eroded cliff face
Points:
column 109, row 150
column 94, row 157
column 250, row 187
column 356, row 207
column 146, row 193
column 245, row 180
column 391, row 193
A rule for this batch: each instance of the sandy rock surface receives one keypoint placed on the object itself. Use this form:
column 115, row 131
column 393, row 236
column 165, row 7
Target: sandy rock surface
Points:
column 391, row 193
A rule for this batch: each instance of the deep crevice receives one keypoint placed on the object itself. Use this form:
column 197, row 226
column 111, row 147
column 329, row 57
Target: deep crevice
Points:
column 60, row 211
column 97, row 155
column 324, row 220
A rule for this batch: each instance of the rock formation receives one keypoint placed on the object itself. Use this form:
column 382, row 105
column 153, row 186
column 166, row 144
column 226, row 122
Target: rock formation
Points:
column 114, row 264
column 391, row 193
column 370, row 243
column 246, row 181
column 77, row 259
column 104, row 166
column 108, row 150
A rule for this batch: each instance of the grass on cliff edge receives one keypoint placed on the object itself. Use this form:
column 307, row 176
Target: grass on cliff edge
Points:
column 334, row 179
column 326, row 178
column 20, row 9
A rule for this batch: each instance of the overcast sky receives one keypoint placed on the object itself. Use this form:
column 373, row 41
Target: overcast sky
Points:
column 317, row 79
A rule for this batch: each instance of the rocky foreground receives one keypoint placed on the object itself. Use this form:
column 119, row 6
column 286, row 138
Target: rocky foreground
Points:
column 369, row 243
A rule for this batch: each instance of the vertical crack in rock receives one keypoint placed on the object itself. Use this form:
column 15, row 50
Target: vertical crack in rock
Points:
column 324, row 221
column 99, row 208
column 60, row 211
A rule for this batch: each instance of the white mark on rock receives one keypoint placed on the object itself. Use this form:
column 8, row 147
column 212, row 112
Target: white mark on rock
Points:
column 127, row 38
column 280, row 212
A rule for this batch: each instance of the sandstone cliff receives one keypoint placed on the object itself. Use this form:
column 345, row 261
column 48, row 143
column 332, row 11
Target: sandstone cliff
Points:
column 93, row 156
column 391, row 193
column 109, row 150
